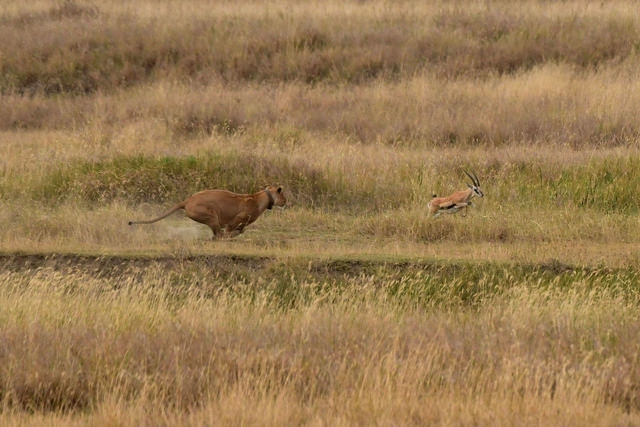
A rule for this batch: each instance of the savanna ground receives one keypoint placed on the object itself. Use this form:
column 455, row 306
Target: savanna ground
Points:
column 350, row 306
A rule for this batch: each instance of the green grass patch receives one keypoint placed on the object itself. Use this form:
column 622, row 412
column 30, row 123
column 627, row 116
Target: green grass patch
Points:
column 162, row 179
column 608, row 185
column 288, row 283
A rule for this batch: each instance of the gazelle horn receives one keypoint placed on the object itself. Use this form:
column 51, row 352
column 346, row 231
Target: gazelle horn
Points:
column 473, row 180
column 476, row 177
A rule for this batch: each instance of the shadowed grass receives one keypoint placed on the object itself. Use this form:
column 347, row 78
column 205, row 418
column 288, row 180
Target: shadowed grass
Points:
column 77, row 47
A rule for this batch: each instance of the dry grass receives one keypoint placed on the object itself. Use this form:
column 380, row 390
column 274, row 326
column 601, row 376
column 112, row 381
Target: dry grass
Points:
column 81, row 47
column 551, row 104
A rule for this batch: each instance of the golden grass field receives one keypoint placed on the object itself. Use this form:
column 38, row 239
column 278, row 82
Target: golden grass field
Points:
column 351, row 306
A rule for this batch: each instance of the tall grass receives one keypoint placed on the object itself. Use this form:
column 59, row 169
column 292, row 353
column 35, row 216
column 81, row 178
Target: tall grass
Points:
column 379, row 344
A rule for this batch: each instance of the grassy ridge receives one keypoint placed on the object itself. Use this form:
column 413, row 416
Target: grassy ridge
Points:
column 146, row 179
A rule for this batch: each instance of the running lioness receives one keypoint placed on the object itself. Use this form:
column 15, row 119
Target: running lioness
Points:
column 226, row 213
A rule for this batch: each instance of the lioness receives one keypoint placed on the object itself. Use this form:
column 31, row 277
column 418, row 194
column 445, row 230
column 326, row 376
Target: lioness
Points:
column 224, row 210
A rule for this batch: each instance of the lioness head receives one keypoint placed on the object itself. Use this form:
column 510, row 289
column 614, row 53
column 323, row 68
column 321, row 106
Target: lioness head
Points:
column 276, row 192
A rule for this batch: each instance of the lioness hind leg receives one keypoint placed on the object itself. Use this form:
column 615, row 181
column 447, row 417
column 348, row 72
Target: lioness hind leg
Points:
column 214, row 225
column 204, row 215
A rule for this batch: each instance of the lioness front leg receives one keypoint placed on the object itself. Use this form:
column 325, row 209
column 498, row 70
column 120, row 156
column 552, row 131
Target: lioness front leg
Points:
column 237, row 226
column 233, row 232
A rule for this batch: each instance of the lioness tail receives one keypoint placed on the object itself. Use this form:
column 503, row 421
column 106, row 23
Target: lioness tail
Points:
column 180, row 205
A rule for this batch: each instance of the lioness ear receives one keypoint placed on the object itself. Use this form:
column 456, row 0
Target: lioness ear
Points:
column 279, row 189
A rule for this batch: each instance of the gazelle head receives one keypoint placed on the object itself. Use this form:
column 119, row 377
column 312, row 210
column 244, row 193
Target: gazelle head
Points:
column 475, row 184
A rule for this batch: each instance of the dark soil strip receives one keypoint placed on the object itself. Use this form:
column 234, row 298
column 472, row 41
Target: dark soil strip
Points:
column 117, row 265
column 114, row 265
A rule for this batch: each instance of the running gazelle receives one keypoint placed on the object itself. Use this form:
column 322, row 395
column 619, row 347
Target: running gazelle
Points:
column 456, row 201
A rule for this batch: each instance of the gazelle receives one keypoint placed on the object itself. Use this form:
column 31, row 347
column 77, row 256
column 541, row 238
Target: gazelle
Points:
column 456, row 201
